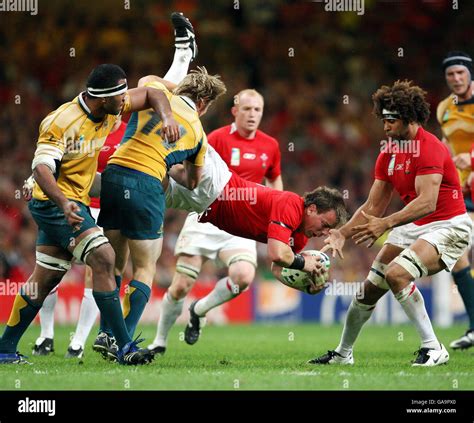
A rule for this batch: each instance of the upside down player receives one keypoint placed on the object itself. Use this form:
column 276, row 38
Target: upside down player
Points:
column 64, row 167
column 430, row 233
column 455, row 114
column 282, row 219
column 254, row 156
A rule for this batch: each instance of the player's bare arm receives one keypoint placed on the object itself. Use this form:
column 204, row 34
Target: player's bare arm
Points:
column 462, row 161
column 427, row 189
column 145, row 97
column 45, row 179
column 377, row 202
column 282, row 255
column 187, row 174
column 277, row 183
column 153, row 78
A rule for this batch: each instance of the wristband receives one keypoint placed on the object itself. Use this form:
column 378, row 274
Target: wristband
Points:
column 298, row 262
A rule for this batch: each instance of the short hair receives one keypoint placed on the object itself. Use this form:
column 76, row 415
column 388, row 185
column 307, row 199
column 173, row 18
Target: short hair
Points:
column 199, row 85
column 249, row 91
column 105, row 76
column 406, row 99
column 326, row 199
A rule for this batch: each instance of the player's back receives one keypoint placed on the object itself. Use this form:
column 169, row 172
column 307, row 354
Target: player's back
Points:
column 143, row 147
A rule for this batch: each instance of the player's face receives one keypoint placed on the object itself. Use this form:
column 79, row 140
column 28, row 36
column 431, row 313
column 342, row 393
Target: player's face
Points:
column 113, row 105
column 395, row 129
column 458, row 79
column 318, row 224
column 248, row 113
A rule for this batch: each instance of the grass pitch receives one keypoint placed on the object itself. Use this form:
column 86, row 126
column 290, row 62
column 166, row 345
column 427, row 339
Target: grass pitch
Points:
column 253, row 357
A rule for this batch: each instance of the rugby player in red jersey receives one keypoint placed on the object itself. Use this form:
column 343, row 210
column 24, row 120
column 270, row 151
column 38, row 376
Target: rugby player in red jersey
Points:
column 429, row 234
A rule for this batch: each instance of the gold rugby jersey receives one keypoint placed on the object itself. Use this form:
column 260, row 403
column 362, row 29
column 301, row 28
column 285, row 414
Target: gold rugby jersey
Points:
column 144, row 149
column 74, row 137
column 457, row 125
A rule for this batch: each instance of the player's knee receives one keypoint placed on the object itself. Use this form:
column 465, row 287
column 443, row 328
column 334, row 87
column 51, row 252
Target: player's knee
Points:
column 242, row 271
column 102, row 259
column 181, row 285
column 395, row 276
column 242, row 274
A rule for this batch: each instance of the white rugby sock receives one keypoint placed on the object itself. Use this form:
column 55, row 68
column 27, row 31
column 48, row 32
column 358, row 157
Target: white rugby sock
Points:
column 87, row 317
column 47, row 315
column 412, row 301
column 170, row 311
column 356, row 316
column 224, row 291
column 179, row 67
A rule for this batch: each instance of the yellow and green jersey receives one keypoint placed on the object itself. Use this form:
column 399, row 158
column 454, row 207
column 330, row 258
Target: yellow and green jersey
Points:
column 457, row 125
column 74, row 138
column 143, row 147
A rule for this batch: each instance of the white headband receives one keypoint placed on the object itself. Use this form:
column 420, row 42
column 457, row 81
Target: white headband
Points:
column 108, row 92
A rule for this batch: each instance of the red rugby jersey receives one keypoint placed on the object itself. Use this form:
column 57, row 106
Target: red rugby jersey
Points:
column 111, row 144
column 425, row 155
column 252, row 159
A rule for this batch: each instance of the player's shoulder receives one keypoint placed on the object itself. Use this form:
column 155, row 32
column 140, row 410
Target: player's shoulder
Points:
column 266, row 138
column 64, row 116
column 220, row 132
column 432, row 144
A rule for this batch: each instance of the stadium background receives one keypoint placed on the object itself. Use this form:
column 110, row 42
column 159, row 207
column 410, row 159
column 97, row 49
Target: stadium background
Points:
column 303, row 60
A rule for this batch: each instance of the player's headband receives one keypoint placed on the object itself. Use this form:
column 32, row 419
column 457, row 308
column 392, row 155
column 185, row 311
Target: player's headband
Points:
column 386, row 114
column 465, row 61
column 108, row 92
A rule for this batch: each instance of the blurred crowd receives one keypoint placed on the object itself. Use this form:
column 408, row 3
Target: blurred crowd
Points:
column 316, row 70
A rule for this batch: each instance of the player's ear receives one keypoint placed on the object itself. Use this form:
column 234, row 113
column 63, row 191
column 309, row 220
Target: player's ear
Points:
column 312, row 209
column 234, row 111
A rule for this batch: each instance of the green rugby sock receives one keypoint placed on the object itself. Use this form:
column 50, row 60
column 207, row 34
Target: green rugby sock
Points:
column 22, row 314
column 109, row 306
column 465, row 284
column 134, row 303
column 104, row 327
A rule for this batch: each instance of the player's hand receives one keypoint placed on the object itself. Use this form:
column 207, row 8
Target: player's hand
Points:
column 372, row 230
column 70, row 210
column 462, row 161
column 170, row 129
column 313, row 289
column 313, row 265
column 27, row 189
column 335, row 242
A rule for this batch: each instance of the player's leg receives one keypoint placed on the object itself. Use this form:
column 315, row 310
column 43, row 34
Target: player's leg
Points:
column 119, row 243
column 241, row 264
column 87, row 316
column 187, row 271
column 419, row 260
column 361, row 308
column 186, row 48
column 465, row 283
column 51, row 264
column 44, row 345
column 144, row 254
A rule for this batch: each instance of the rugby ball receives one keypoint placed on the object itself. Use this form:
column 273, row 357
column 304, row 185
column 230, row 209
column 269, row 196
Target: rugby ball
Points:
column 299, row 279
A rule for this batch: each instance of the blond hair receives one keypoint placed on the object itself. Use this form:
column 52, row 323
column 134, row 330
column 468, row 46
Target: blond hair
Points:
column 249, row 91
column 199, row 85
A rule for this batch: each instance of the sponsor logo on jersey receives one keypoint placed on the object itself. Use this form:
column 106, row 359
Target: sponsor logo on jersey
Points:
column 249, row 156
column 235, row 157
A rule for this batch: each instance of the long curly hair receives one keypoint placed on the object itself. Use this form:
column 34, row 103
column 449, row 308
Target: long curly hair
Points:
column 404, row 98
